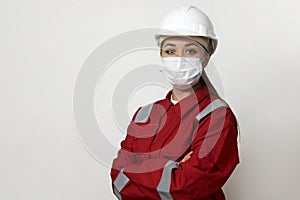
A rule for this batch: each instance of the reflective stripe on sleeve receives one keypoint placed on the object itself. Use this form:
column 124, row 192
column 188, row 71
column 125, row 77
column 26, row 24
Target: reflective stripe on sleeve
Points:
column 144, row 113
column 121, row 181
column 117, row 193
column 164, row 185
column 211, row 107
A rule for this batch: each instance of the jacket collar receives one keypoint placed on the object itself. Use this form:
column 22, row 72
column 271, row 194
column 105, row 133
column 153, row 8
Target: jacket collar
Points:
column 188, row 103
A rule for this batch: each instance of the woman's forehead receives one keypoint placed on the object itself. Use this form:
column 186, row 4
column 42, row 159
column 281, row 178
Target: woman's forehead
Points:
column 179, row 40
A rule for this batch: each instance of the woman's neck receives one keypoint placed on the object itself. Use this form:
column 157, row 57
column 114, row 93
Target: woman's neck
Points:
column 181, row 94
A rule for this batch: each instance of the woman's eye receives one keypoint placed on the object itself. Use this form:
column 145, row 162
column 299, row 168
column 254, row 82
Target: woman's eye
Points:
column 191, row 51
column 169, row 51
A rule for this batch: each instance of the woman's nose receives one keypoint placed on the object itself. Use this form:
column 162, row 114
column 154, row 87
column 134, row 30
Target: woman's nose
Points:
column 180, row 53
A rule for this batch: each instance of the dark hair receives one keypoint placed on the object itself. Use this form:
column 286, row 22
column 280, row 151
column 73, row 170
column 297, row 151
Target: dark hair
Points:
column 212, row 90
column 207, row 82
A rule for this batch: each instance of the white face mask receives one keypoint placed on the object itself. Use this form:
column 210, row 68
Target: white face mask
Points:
column 181, row 72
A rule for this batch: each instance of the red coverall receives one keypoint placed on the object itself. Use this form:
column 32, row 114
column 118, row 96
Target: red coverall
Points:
column 161, row 134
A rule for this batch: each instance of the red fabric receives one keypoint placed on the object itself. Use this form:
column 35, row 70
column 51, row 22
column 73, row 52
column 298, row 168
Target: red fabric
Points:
column 169, row 134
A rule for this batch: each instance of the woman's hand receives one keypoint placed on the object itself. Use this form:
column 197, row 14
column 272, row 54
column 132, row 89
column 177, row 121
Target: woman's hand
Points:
column 187, row 156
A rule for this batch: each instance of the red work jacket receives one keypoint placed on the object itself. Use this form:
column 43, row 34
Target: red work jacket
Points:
column 158, row 137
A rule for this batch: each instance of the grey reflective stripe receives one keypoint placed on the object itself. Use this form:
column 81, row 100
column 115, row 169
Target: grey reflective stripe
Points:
column 211, row 107
column 164, row 185
column 144, row 113
column 121, row 181
column 117, row 193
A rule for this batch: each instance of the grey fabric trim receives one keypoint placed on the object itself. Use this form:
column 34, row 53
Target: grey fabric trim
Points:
column 117, row 193
column 144, row 113
column 211, row 107
column 121, row 181
column 164, row 185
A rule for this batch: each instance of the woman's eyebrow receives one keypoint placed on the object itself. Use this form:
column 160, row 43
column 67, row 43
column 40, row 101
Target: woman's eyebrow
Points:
column 169, row 44
column 189, row 44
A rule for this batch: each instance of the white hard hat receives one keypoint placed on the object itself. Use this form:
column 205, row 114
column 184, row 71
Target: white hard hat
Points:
column 187, row 21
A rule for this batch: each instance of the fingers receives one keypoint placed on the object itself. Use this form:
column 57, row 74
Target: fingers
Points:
column 187, row 157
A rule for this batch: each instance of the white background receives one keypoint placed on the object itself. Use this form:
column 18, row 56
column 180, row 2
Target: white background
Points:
column 43, row 45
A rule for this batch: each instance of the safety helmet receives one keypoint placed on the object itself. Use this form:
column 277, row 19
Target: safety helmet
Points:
column 188, row 21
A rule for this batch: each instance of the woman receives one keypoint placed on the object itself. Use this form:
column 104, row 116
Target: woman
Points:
column 184, row 146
